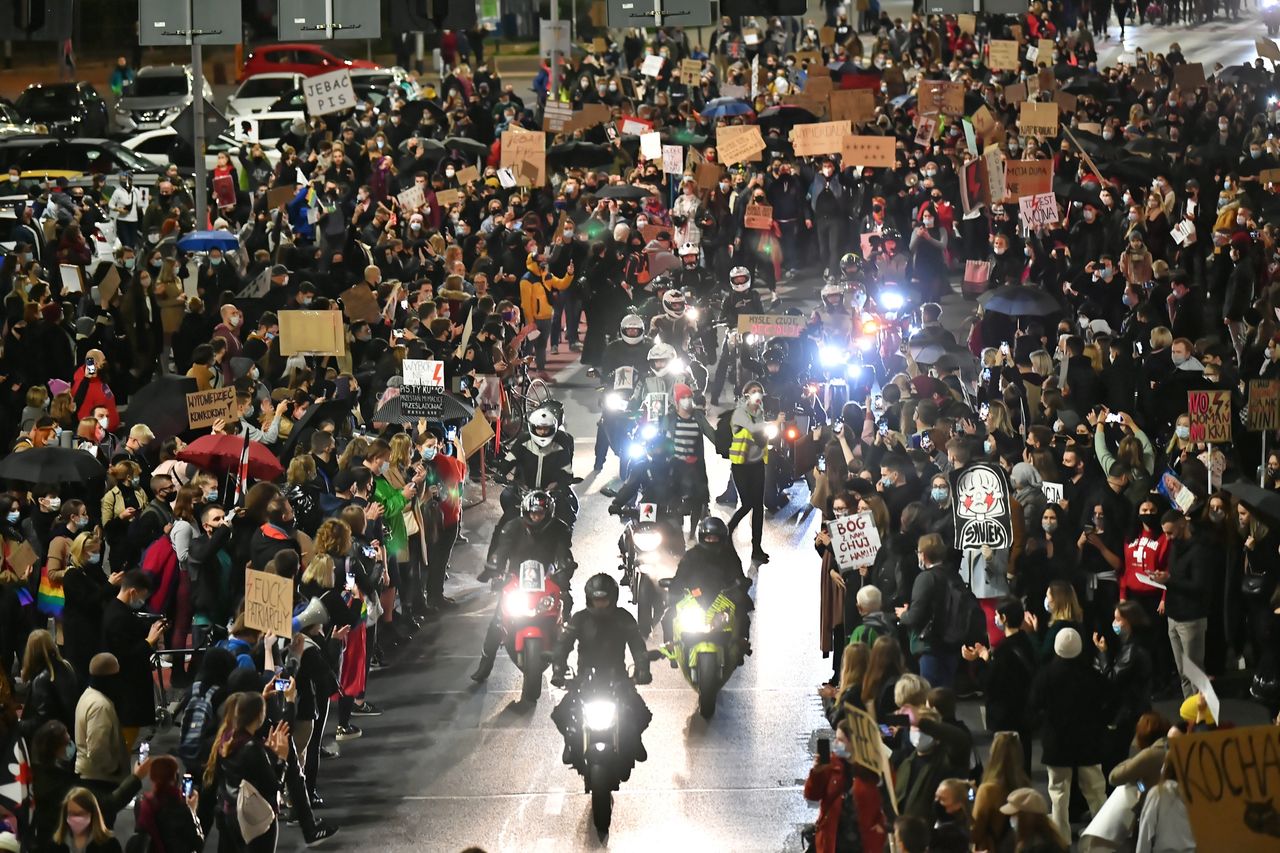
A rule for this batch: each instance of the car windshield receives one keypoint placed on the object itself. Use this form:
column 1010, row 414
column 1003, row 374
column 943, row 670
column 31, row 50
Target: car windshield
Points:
column 159, row 85
column 381, row 81
column 45, row 102
column 265, row 87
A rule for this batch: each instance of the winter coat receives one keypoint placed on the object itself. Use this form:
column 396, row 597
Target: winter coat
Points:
column 1071, row 699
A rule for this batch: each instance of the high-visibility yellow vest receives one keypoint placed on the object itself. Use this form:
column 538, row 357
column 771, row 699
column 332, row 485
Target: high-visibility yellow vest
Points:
column 738, row 449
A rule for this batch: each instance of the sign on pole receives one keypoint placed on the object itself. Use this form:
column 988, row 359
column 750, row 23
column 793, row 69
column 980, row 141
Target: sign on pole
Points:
column 329, row 93
column 168, row 23
column 1264, row 405
column 321, row 20
column 1210, row 413
column 854, row 540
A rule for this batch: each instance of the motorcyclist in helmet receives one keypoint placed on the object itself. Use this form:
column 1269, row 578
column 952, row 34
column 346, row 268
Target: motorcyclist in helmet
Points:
column 653, row 396
column 696, row 281
column 676, row 324
column 741, row 299
column 832, row 320
column 602, row 632
column 624, row 365
column 540, row 536
column 654, row 477
column 713, row 566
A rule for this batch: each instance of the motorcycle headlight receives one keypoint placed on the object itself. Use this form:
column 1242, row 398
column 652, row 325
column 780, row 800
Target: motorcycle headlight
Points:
column 615, row 402
column 546, row 603
column 752, row 340
column 517, row 607
column 854, row 369
column 649, row 432
column 691, row 313
column 892, row 301
column 647, row 540
column 771, row 431
column 599, row 714
column 866, row 344
column 693, row 620
column 831, row 356
column 636, row 450
column 676, row 367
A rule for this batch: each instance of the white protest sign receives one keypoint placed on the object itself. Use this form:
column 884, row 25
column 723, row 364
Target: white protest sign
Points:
column 854, row 540
column 651, row 145
column 1036, row 210
column 427, row 372
column 652, row 66
column 329, row 93
column 673, row 159
column 1201, row 683
column 1052, row 492
column 411, row 199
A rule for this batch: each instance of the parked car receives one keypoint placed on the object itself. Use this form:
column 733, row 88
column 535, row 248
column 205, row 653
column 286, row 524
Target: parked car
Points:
column 298, row 58
column 257, row 93
column 66, row 109
column 156, row 97
column 12, row 123
column 165, row 146
column 50, row 155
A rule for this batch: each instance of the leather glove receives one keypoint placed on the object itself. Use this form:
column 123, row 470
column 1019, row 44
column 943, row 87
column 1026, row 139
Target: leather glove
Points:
column 644, row 677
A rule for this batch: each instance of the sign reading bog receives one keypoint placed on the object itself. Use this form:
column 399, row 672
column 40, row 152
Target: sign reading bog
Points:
column 981, row 508
column 771, row 325
column 268, row 603
column 1228, row 780
column 866, row 746
column 1210, row 413
column 854, row 540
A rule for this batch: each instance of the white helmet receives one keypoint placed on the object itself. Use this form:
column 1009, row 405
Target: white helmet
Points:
column 673, row 303
column 740, row 279
column 542, row 427
column 663, row 353
column 689, row 254
column 632, row 329
column 832, row 289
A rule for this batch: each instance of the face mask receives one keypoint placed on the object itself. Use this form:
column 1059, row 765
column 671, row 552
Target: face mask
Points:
column 128, row 263
column 927, row 222
column 1108, row 135
column 839, row 750
column 78, row 823
column 755, row 397
column 921, row 741
column 988, row 445
column 13, row 517
column 94, row 559
column 999, row 250
column 235, row 321
column 82, row 523
column 1150, row 519
column 1048, row 605
column 1216, row 515
column 1178, row 358
column 1049, row 526
column 1088, row 216
column 1182, row 432
column 1226, row 185
column 938, row 495
column 55, row 504
column 384, row 468
column 215, row 261
column 429, row 453
column 1117, row 628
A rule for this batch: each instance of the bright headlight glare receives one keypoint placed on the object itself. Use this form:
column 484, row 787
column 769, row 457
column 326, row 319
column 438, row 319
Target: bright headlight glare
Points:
column 866, row 344
column 615, row 402
column 771, row 431
column 636, row 450
column 831, row 356
column 891, row 301
column 517, row 607
column 599, row 714
column 752, row 340
column 854, row 369
column 676, row 367
column 692, row 313
column 647, row 540
column 649, row 432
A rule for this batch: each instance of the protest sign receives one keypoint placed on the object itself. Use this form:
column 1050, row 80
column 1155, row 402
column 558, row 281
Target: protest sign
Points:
column 519, row 146
column 268, row 603
column 589, row 116
column 827, row 36
column 984, row 123
column 1066, row 101
column 771, row 325
column 1267, row 49
column 1175, row 491
column 673, row 159
column 72, row 278
column 224, row 191
column 853, row 105
column 993, row 165
column 818, row 86
column 943, row 97
column 690, row 71
column 468, row 175
column 277, row 196
column 1210, row 413
column 360, row 303
column 736, row 143
column 556, row 114
column 981, row 508
column 1053, row 492
column 874, row 151
column 968, row 23
column 204, row 408
column 854, row 540
column 651, row 145
column 926, row 129
column 423, row 371
column 1033, row 53
column 329, row 93
column 813, row 140
column 532, row 170
column 1037, row 119
column 652, row 66
column 311, row 333
column 1204, row 687
column 22, row 558
column 1264, row 405
column 476, row 433
column 109, row 286
column 733, row 90
column 866, row 745
column 816, row 104
column 257, row 286
column 1227, row 778
column 1003, row 55
column 1044, row 52
column 1027, row 177
column 1015, row 93
column 758, row 216
column 708, row 175
column 447, row 198
column 1188, row 76
column 1036, row 210
column 422, row 394
column 1269, row 176
column 411, row 200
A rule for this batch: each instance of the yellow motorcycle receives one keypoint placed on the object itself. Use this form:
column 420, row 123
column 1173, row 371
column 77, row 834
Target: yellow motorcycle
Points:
column 704, row 646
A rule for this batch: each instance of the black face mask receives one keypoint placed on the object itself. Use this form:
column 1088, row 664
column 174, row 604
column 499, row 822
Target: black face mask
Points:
column 1150, row 520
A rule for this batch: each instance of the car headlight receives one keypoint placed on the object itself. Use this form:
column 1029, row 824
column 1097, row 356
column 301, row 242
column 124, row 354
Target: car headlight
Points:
column 615, row 402
column 647, row 540
column 599, row 714
column 892, row 301
column 636, row 450
column 831, row 356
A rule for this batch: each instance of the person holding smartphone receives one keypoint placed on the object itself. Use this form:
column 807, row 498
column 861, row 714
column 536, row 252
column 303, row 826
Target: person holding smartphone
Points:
column 443, row 478
column 167, row 813
column 836, row 783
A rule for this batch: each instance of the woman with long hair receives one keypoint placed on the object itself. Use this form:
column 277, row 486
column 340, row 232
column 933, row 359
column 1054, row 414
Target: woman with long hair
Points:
column 1064, row 611
column 344, row 592
column 832, row 631
column 120, row 506
column 81, row 828
column 1005, row 772
column 87, row 588
column 240, row 755
column 53, row 687
column 1034, row 830
column 853, row 670
column 884, row 667
column 165, row 815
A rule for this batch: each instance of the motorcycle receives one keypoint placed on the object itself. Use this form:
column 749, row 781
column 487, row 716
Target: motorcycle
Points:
column 703, row 636
column 532, row 615
column 604, row 766
column 650, row 551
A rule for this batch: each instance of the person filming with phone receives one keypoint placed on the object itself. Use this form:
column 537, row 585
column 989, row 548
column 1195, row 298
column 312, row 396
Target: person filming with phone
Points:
column 133, row 636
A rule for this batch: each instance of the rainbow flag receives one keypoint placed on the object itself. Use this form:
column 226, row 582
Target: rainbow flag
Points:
column 50, row 599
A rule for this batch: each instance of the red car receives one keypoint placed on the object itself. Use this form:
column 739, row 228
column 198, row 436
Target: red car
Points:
column 298, row 58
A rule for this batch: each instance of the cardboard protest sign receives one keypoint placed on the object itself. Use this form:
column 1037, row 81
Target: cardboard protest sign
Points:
column 827, row 36
column 311, row 333
column 268, row 603
column 1036, row 210
column 736, row 143
column 22, row 558
column 277, row 196
column 1046, row 80
column 690, row 71
column 1036, row 119
column 1044, row 52
column 771, row 325
column 984, row 124
column 1188, row 76
column 1066, row 101
column 360, row 303
column 733, row 90
column 1015, row 93
column 874, row 151
column 468, row 175
column 556, row 114
column 109, row 286
column 329, row 93
column 968, row 23
column 866, row 746
column 813, row 140
column 1227, row 779
column 412, row 199
column 943, row 97
column 1003, row 55
column 895, row 81
column 852, row 105
column 448, row 198
column 1027, row 177
column 818, row 86
column 981, row 508
column 518, row 146
column 1267, row 49
column 476, row 433
column 589, row 116
column 816, row 104
column 759, row 216
column 532, row 171
column 993, row 166
column 1210, row 413
column 204, row 408
column 708, row 175
column 1264, row 405
column 854, row 540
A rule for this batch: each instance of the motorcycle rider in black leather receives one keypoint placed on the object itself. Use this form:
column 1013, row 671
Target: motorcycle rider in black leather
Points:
column 713, row 566
column 741, row 299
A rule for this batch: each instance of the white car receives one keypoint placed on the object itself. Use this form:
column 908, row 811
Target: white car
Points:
column 260, row 91
column 165, row 146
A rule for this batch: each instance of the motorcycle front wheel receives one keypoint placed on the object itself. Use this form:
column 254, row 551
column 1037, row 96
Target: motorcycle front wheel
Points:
column 531, row 667
column 601, row 798
column 708, row 664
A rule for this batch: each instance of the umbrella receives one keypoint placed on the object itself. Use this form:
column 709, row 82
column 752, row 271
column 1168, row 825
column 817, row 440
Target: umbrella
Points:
column 1020, row 300
column 1148, row 145
column 203, row 241
column 785, row 117
column 452, row 410
column 724, row 107
column 221, row 453
column 1260, row 500
column 411, row 113
column 903, row 102
column 1093, row 144
column 467, row 147
column 1133, row 170
column 425, row 146
column 162, row 406
column 1241, row 75
column 51, row 465
column 684, row 136
column 579, row 154
column 624, row 192
column 338, row 411
column 1087, row 84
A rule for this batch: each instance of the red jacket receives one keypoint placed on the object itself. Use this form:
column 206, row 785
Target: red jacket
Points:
column 828, row 784
column 95, row 393
column 448, row 473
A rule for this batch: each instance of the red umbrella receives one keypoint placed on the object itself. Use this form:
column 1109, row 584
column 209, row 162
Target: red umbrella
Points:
column 223, row 453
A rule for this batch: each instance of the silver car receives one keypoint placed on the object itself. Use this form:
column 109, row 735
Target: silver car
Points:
column 158, row 95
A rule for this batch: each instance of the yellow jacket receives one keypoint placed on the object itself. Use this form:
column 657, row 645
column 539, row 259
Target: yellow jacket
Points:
column 535, row 291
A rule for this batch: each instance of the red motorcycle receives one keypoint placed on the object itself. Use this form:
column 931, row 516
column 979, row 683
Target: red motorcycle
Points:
column 532, row 613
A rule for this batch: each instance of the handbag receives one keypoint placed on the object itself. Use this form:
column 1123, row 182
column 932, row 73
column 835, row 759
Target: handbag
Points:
column 254, row 814
column 977, row 277
column 50, row 598
column 1252, row 584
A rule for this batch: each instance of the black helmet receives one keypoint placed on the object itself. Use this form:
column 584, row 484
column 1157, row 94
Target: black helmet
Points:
column 540, row 504
column 775, row 355
column 601, row 587
column 710, row 527
column 851, row 266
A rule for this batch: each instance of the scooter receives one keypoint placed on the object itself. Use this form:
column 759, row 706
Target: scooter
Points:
column 532, row 615
column 704, row 635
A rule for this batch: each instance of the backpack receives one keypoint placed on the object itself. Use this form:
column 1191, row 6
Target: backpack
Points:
column 198, row 726
column 864, row 633
column 962, row 618
column 724, row 433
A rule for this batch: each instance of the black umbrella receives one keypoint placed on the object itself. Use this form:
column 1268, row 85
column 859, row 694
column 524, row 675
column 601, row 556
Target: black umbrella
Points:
column 1260, row 500
column 1020, row 300
column 52, row 465
column 452, row 410
column 411, row 113
column 467, row 147
column 624, row 192
column 162, row 406
column 579, row 154
column 1239, row 75
column 1093, row 145
column 338, row 411
column 426, row 147
column 1087, row 84
column 1133, row 170
column 785, row 117
column 1148, row 145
